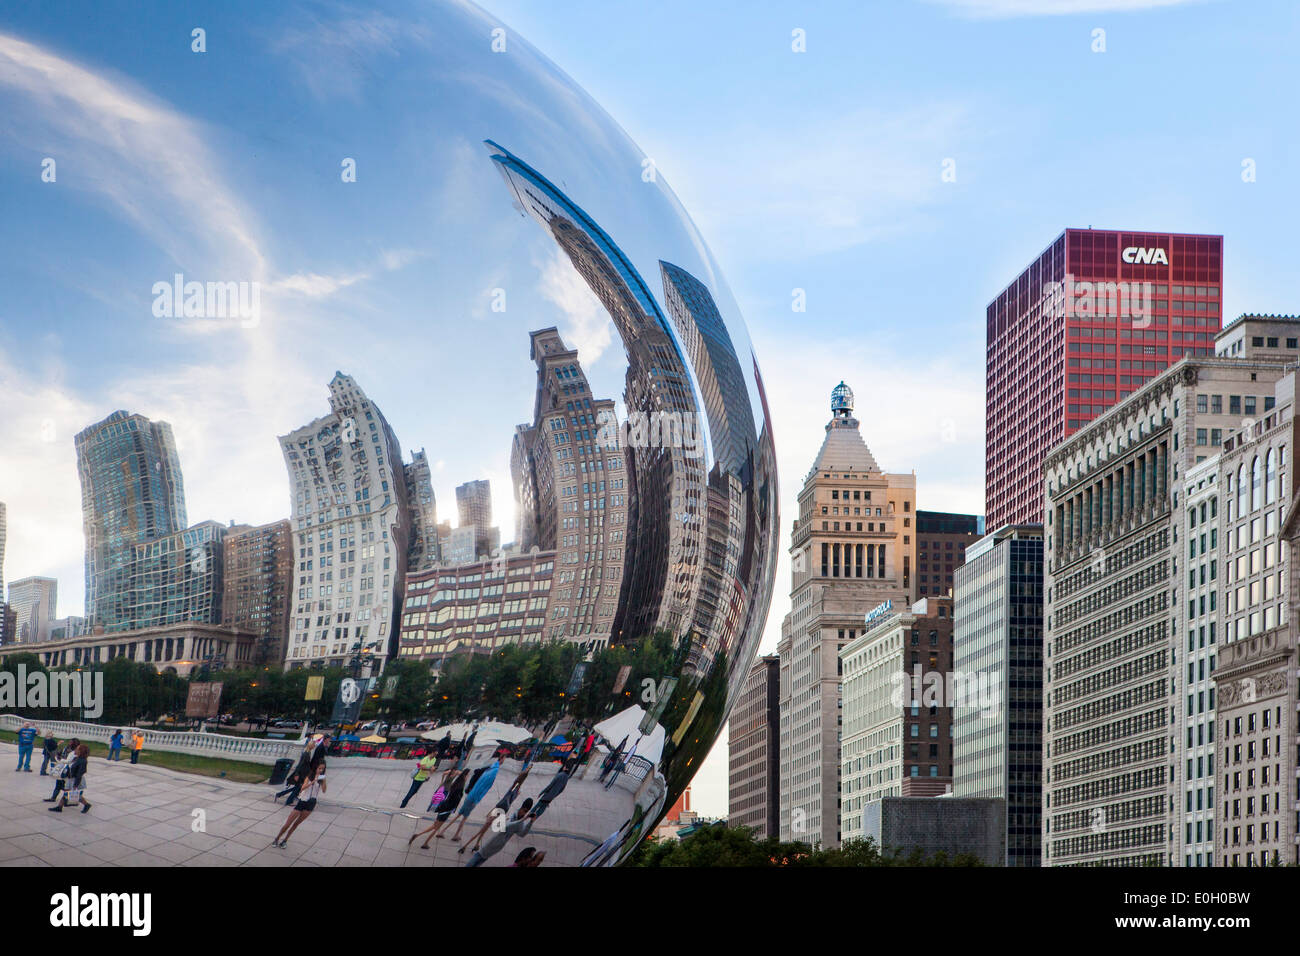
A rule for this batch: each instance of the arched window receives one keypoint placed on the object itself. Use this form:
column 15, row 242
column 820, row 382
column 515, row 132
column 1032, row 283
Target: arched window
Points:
column 1270, row 472
column 1242, row 500
column 1256, row 481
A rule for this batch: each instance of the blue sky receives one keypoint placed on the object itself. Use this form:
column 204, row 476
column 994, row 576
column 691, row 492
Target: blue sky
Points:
column 818, row 171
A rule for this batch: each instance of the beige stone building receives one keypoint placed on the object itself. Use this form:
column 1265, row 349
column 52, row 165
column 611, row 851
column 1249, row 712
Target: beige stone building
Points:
column 853, row 547
column 1117, row 614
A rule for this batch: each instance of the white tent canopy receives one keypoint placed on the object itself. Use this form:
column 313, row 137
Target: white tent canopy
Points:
column 489, row 731
column 625, row 724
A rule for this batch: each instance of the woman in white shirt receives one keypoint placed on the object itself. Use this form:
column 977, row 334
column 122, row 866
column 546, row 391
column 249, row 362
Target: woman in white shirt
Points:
column 303, row 806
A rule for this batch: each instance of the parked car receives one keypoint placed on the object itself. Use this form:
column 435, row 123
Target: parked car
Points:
column 287, row 724
column 426, row 725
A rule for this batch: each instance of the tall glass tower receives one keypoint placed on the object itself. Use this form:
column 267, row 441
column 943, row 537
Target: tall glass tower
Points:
column 131, row 492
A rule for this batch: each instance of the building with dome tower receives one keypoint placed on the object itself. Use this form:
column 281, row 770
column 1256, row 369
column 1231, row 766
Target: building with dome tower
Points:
column 853, row 548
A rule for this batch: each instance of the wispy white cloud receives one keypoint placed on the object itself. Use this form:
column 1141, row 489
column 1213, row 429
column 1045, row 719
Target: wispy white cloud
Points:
column 154, row 167
column 808, row 194
column 586, row 326
column 314, row 285
column 149, row 161
column 332, row 53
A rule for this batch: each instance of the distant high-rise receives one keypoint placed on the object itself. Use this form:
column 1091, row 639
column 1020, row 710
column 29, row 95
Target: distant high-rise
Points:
column 4, row 530
column 712, row 354
column 351, row 530
column 131, row 492
column 257, row 588
column 565, row 461
column 34, row 600
column 754, row 751
column 474, row 509
column 897, row 733
column 998, row 664
column 423, row 551
column 941, row 543
column 176, row 579
column 1096, row 316
column 852, row 548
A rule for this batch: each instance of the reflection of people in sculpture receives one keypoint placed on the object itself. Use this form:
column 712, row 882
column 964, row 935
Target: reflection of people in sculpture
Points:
column 551, row 791
column 477, row 791
column 444, row 745
column 518, row 825
column 587, row 743
column 466, row 748
column 620, row 764
column 443, row 810
column 600, row 856
column 529, row 856
column 611, row 760
column 502, row 808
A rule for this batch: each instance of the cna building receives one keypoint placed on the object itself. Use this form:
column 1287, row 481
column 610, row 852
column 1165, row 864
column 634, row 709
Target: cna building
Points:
column 1094, row 318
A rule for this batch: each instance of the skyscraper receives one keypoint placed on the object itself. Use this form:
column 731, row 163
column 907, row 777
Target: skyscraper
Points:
column 998, row 651
column 35, row 601
column 572, row 484
column 4, row 531
column 666, row 477
column 1116, row 614
column 754, row 751
column 423, row 551
column 131, row 492
column 941, row 543
column 257, row 587
column 474, row 509
column 175, row 579
column 897, row 726
column 712, row 355
column 351, row 530
column 1091, row 320
column 852, row 548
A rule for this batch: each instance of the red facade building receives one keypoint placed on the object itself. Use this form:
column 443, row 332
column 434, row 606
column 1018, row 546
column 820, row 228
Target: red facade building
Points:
column 1091, row 320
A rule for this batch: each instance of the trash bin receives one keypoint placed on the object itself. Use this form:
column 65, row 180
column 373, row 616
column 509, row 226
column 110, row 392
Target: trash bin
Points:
column 281, row 771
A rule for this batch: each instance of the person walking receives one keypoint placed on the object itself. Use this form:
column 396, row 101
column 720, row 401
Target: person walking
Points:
column 309, row 761
column 312, row 788
column 502, row 809
column 49, row 753
column 443, row 810
column 551, row 791
column 26, row 740
column 64, row 762
column 610, row 760
column 137, row 745
column 115, row 746
column 518, row 825
column 444, row 745
column 620, row 765
column 76, row 787
column 477, row 791
column 423, row 770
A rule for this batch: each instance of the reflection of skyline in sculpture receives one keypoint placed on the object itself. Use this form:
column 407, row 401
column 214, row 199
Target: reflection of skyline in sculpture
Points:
column 570, row 493
column 666, row 479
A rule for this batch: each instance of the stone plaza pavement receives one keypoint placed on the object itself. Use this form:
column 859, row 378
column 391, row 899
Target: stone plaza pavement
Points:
column 145, row 816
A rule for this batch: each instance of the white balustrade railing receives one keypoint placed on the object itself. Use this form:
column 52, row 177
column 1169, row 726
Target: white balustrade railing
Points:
column 200, row 743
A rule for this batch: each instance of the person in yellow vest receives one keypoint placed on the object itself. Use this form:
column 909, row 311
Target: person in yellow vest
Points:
column 137, row 745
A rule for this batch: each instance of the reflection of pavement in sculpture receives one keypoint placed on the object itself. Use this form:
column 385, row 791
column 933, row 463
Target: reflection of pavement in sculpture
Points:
column 564, row 831
column 145, row 816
